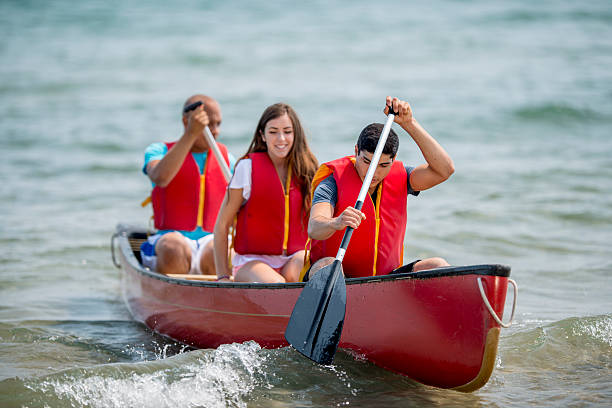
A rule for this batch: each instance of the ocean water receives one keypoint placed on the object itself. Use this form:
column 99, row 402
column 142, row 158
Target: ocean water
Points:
column 518, row 93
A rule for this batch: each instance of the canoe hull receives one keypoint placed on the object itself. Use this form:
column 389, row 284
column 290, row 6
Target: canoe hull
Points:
column 431, row 326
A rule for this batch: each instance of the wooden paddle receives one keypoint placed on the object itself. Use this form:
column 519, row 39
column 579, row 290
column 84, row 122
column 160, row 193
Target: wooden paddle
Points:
column 212, row 143
column 316, row 322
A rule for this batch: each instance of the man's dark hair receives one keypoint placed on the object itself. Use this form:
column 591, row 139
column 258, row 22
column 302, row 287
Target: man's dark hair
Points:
column 369, row 138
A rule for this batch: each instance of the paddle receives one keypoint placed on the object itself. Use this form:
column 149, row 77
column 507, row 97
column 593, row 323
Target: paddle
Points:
column 316, row 322
column 212, row 143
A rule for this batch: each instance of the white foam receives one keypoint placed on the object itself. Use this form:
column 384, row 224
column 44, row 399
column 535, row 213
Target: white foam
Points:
column 209, row 378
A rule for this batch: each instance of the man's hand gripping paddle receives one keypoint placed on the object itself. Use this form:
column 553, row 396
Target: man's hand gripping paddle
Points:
column 212, row 143
column 316, row 322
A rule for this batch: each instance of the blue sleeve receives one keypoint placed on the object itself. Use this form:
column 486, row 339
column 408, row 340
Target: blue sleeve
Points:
column 155, row 151
column 410, row 190
column 232, row 161
column 326, row 192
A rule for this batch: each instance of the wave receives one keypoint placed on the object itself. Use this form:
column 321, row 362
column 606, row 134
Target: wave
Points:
column 534, row 15
column 68, row 169
column 240, row 375
column 104, row 337
column 580, row 217
column 521, row 16
column 18, row 142
column 554, row 112
column 234, row 375
column 202, row 60
column 576, row 341
column 102, row 168
column 201, row 378
column 563, row 363
column 604, row 16
column 102, row 147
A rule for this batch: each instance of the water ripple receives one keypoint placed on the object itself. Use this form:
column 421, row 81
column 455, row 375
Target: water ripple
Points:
column 554, row 112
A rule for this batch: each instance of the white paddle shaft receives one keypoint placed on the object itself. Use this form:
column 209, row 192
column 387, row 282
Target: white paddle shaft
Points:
column 215, row 149
column 375, row 158
column 366, row 182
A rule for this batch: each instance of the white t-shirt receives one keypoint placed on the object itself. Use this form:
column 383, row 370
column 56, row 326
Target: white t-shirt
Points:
column 242, row 180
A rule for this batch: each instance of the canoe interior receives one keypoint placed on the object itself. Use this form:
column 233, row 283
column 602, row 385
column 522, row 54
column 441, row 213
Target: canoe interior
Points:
column 137, row 235
column 136, row 239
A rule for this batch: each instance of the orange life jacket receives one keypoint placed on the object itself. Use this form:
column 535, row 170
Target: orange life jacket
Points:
column 272, row 221
column 377, row 246
column 191, row 199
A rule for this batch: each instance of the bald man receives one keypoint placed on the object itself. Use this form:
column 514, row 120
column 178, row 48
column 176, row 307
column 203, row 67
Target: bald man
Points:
column 188, row 188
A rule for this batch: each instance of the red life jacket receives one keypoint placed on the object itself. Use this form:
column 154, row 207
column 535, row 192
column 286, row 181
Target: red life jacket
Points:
column 377, row 246
column 271, row 222
column 190, row 199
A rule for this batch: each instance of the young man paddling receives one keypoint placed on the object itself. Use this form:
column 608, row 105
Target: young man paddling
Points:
column 376, row 247
column 188, row 188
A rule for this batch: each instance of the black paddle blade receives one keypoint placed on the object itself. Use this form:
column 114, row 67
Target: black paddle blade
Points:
column 316, row 322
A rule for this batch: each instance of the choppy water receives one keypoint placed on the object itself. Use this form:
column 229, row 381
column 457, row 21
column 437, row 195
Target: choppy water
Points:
column 520, row 95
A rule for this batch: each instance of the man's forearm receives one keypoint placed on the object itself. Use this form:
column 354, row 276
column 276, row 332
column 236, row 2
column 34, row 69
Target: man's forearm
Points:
column 435, row 155
column 321, row 227
column 165, row 170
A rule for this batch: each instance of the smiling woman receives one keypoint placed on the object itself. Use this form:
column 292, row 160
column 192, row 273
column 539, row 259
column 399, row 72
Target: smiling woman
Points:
column 270, row 197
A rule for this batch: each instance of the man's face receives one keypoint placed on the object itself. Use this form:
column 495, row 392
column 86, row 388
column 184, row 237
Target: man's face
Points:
column 362, row 162
column 213, row 110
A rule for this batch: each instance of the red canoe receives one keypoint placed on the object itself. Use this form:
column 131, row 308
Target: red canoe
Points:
column 436, row 327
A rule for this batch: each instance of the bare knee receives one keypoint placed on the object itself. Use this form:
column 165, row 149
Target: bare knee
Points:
column 172, row 241
column 291, row 270
column 320, row 264
column 257, row 271
column 430, row 263
column 173, row 254
column 207, row 259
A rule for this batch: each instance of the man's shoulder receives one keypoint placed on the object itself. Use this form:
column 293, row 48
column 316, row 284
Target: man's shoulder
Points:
column 340, row 162
column 409, row 170
column 326, row 192
column 156, row 148
column 155, row 151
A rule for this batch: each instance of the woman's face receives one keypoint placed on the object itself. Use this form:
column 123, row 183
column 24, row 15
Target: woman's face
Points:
column 278, row 136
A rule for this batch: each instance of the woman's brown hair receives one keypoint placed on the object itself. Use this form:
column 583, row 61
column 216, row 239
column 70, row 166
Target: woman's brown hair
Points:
column 302, row 160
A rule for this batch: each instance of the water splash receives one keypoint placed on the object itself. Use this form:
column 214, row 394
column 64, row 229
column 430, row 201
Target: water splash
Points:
column 595, row 329
column 203, row 378
column 574, row 342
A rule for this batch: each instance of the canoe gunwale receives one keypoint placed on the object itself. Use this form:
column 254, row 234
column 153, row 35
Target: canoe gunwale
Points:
column 125, row 231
